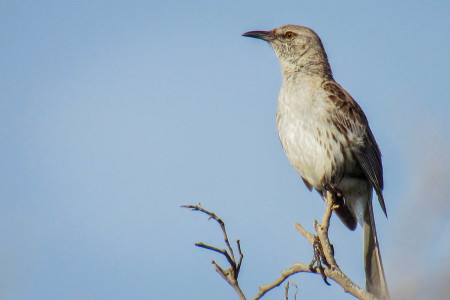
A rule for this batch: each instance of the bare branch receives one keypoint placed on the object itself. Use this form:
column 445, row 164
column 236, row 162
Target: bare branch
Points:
column 231, row 274
column 322, row 231
column 296, row 268
column 221, row 251
column 213, row 216
column 308, row 236
column 332, row 269
column 336, row 275
column 241, row 256
column 296, row 289
column 323, row 253
column 286, row 290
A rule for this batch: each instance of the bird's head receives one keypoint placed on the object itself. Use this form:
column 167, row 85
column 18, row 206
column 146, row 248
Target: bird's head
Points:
column 298, row 48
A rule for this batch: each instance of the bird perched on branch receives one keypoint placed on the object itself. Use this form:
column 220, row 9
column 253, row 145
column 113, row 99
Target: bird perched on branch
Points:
column 327, row 138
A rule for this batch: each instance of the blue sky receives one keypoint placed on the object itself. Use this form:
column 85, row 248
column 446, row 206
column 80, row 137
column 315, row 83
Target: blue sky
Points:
column 113, row 114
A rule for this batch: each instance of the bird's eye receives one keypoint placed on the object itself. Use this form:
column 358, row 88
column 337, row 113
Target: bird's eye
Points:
column 289, row 35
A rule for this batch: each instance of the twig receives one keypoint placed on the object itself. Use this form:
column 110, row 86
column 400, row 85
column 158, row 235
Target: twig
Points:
column 323, row 252
column 308, row 236
column 322, row 231
column 232, row 273
column 331, row 268
column 286, row 290
column 285, row 274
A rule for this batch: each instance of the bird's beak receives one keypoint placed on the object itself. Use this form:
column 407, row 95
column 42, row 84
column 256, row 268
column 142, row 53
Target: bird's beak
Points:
column 262, row 35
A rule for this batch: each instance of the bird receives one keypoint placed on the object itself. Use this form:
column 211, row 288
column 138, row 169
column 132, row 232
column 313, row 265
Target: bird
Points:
column 327, row 139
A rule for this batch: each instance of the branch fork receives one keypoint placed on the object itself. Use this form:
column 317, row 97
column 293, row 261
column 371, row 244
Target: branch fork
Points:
column 323, row 263
column 231, row 274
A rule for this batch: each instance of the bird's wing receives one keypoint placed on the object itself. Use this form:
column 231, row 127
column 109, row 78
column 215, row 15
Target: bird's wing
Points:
column 352, row 122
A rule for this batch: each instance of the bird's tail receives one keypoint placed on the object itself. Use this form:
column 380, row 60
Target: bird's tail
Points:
column 375, row 279
column 358, row 198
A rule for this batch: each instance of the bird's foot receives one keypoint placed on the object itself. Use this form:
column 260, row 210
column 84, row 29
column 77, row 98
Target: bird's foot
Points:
column 318, row 259
column 338, row 197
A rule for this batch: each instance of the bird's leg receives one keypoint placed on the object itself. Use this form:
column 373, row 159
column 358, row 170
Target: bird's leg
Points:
column 338, row 197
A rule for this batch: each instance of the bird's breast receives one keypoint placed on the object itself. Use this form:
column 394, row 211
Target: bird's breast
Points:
column 312, row 145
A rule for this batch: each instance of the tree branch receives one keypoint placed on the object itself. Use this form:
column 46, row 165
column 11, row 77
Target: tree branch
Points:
column 332, row 269
column 323, row 253
column 286, row 290
column 231, row 274
column 285, row 274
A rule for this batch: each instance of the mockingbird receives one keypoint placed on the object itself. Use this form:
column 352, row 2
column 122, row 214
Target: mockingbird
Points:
column 327, row 138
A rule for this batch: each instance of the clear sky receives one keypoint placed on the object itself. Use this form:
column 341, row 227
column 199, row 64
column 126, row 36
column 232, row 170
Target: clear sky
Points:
column 114, row 113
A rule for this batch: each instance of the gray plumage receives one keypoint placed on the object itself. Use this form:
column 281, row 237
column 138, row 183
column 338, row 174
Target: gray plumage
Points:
column 327, row 138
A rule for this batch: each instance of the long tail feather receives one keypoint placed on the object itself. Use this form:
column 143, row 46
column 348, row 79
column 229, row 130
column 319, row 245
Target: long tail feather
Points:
column 375, row 279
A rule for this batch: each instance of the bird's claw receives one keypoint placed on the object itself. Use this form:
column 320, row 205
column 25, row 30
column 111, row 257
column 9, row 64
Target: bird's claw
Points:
column 318, row 259
column 338, row 197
